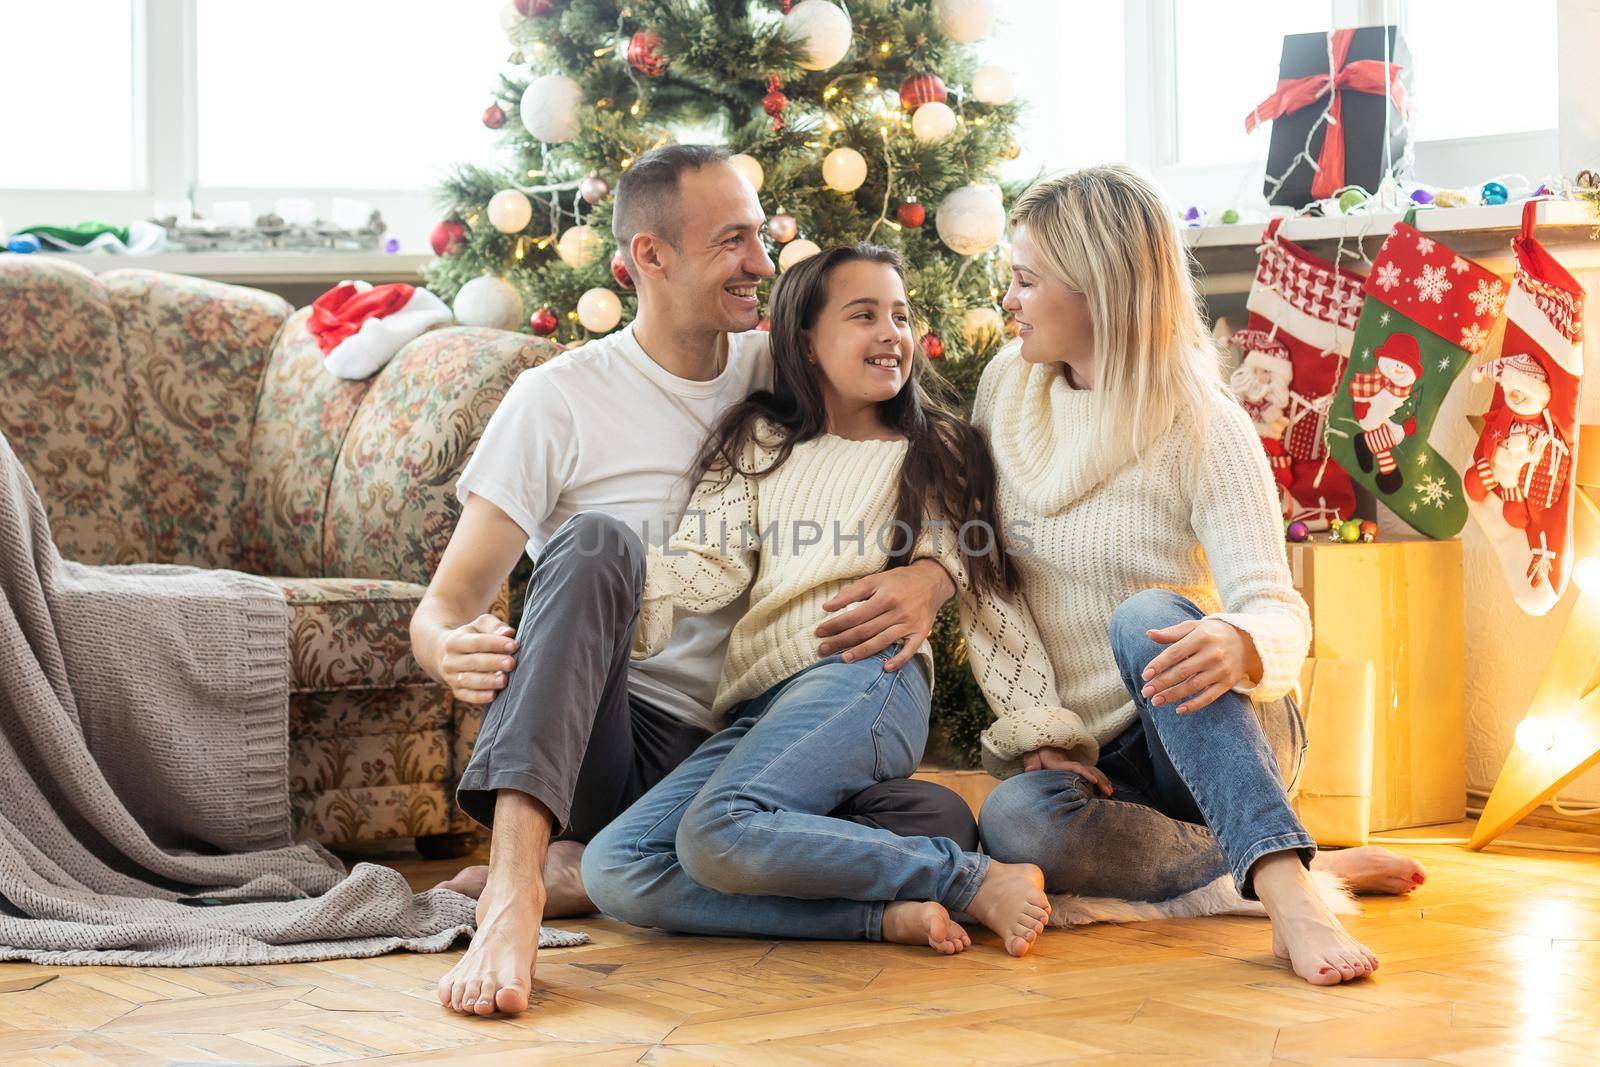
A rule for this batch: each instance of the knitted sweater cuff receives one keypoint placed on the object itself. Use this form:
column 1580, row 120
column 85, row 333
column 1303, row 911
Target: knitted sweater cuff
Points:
column 1279, row 672
column 654, row 629
column 1020, row 732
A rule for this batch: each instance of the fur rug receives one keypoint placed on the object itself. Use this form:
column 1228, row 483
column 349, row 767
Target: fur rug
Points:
column 1218, row 898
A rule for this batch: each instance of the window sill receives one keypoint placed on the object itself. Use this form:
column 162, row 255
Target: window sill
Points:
column 255, row 268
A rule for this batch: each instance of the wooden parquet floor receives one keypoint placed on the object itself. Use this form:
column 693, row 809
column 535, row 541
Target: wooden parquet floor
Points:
column 1496, row 960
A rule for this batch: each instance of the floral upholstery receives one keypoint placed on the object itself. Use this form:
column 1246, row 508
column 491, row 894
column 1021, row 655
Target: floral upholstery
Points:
column 174, row 420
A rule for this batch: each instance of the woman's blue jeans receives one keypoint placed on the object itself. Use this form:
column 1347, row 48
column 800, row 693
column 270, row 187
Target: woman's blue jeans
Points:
column 1195, row 796
column 737, row 839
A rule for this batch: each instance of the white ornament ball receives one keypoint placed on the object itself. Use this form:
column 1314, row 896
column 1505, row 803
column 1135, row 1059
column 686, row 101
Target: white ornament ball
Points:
column 550, row 107
column 579, row 246
column 823, row 28
column 509, row 210
column 991, row 84
column 750, row 168
column 796, row 252
column 971, row 219
column 963, row 21
column 489, row 301
column 510, row 17
column 933, row 122
column 844, row 169
column 978, row 322
column 599, row 310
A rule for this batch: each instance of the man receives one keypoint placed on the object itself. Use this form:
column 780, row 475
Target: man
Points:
column 586, row 453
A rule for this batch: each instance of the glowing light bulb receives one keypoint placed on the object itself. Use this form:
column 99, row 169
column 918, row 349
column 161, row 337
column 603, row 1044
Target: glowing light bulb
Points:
column 1586, row 573
column 1535, row 736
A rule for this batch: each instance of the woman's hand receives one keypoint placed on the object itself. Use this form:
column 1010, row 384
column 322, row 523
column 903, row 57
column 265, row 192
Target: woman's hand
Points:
column 1207, row 658
column 1051, row 758
column 476, row 659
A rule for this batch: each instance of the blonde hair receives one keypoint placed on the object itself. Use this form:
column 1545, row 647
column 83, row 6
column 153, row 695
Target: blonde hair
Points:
column 1107, row 233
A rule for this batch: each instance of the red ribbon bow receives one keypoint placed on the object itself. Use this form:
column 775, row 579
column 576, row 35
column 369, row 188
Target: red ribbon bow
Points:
column 1362, row 76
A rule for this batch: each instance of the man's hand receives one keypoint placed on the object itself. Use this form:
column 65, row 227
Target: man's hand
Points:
column 893, row 605
column 476, row 659
column 1207, row 658
column 1051, row 758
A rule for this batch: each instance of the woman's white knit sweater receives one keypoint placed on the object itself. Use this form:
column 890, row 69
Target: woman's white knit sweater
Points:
column 1199, row 518
column 802, row 533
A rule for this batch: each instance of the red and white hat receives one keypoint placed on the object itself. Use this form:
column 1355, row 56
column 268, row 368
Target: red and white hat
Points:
column 360, row 327
column 1402, row 348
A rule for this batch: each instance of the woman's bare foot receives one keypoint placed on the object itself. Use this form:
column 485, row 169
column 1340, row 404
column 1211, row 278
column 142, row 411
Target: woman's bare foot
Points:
column 563, row 882
column 496, row 974
column 922, row 922
column 1011, row 902
column 1304, row 931
column 1370, row 869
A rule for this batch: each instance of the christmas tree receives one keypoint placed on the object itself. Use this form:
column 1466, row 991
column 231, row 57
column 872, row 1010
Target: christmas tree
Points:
column 873, row 122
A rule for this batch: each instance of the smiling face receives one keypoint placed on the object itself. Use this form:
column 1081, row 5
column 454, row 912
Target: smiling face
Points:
column 712, row 271
column 861, row 339
column 1053, row 321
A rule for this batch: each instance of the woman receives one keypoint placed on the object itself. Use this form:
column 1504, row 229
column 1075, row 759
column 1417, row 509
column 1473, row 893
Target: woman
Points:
column 1158, row 578
column 844, row 468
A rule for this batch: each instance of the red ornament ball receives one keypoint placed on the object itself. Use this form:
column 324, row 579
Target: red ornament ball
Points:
column 774, row 103
column 619, row 271
column 911, row 214
column 1369, row 531
column 543, row 322
column 922, row 89
column 493, row 117
column 447, row 237
column 932, row 347
column 643, row 57
column 533, row 9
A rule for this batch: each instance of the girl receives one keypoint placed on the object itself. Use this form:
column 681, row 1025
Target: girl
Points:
column 1159, row 577
column 844, row 468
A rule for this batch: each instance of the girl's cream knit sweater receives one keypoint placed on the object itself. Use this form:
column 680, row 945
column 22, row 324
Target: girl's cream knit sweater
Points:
column 797, row 536
column 1199, row 517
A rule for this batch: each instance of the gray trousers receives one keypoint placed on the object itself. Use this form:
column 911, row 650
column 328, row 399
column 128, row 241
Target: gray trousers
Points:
column 566, row 731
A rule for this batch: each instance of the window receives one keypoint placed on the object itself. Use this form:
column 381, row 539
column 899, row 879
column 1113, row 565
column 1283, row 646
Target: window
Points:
column 1482, row 68
column 1227, row 63
column 1069, row 67
column 318, row 95
column 66, row 80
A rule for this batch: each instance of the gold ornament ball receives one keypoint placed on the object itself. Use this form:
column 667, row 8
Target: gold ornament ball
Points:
column 579, row 246
column 844, row 170
column 750, row 168
column 509, row 210
column 599, row 310
column 979, row 323
column 795, row 252
column 783, row 227
column 933, row 122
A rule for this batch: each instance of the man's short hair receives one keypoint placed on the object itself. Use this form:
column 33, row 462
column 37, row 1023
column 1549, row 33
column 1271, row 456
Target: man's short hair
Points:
column 647, row 193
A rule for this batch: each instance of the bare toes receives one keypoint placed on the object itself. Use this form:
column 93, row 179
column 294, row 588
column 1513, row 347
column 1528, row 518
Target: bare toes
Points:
column 512, row 999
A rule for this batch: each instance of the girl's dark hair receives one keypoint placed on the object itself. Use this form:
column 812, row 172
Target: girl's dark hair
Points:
column 948, row 473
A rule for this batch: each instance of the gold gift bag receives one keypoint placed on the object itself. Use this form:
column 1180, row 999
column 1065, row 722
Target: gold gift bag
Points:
column 1334, row 794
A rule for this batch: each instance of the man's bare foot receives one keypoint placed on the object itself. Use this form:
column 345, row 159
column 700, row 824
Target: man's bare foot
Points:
column 563, row 882
column 922, row 922
column 1370, row 869
column 496, row 974
column 1011, row 902
column 1304, row 931
column 469, row 881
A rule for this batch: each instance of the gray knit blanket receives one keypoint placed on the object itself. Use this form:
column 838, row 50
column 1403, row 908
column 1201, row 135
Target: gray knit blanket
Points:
column 144, row 799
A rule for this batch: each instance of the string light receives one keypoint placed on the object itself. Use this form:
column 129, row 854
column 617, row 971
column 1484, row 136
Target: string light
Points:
column 598, row 52
column 884, row 48
column 634, row 110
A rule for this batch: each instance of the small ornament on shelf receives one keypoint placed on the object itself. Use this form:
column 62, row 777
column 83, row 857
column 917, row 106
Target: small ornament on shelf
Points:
column 911, row 214
column 1495, row 193
column 644, row 55
column 493, row 117
column 1297, row 532
column 1369, row 531
column 543, row 322
column 1351, row 199
column 1350, row 531
column 783, row 227
column 1230, row 217
column 1421, row 196
column 1194, row 217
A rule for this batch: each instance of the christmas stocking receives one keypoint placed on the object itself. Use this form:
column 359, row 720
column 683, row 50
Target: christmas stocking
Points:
column 1427, row 312
column 1519, row 487
column 1303, row 311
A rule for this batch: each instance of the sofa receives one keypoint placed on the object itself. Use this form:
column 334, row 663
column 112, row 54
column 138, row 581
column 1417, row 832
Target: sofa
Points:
column 169, row 419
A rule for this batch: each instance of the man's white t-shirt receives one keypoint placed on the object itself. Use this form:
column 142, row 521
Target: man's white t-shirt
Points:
column 606, row 428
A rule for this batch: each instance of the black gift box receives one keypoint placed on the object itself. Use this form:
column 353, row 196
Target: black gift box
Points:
column 1367, row 157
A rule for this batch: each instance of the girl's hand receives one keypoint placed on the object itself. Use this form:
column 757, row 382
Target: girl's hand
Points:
column 1050, row 758
column 1208, row 657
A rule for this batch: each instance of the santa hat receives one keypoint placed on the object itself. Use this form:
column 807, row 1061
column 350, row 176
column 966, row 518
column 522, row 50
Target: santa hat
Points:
column 1262, row 349
column 1402, row 348
column 360, row 327
column 1519, row 369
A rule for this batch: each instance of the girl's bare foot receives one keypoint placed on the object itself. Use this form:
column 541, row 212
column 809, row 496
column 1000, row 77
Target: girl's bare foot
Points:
column 1304, row 931
column 922, row 922
column 1011, row 902
column 1370, row 869
column 563, row 882
column 496, row 974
